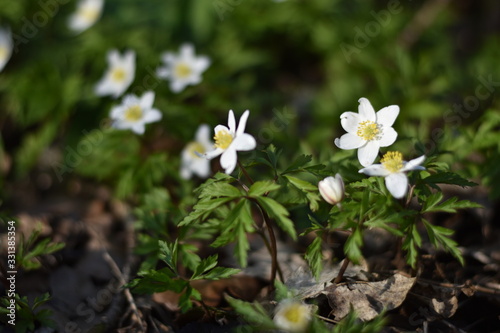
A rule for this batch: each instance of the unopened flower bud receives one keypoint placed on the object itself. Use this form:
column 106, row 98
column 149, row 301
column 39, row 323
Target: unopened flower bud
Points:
column 332, row 189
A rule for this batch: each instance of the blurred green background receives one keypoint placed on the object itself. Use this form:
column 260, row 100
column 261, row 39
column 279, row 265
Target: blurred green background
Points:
column 296, row 64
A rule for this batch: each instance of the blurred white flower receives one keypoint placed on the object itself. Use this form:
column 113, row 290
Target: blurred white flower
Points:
column 193, row 161
column 135, row 112
column 6, row 47
column 118, row 76
column 393, row 168
column 292, row 316
column 332, row 189
column 183, row 69
column 87, row 13
column 230, row 140
column 367, row 131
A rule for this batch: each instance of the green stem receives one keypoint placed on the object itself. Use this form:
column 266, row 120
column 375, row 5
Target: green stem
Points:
column 272, row 237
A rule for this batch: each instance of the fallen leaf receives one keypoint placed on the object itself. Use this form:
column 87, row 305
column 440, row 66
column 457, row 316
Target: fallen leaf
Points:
column 368, row 299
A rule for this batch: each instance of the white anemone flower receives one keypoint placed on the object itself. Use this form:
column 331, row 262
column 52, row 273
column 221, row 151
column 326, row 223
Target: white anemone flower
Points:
column 367, row 131
column 118, row 76
column 292, row 316
column 393, row 168
column 193, row 161
column 134, row 112
column 230, row 140
column 6, row 47
column 183, row 69
column 87, row 13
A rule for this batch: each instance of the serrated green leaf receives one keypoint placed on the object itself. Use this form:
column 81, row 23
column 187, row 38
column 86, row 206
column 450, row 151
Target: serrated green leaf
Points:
column 279, row 214
column 262, row 187
column 448, row 178
column 169, row 253
column 314, row 256
column 203, row 208
column 204, row 266
column 352, row 247
column 253, row 313
column 154, row 281
column 299, row 163
column 220, row 273
column 219, row 189
column 310, row 191
column 449, row 206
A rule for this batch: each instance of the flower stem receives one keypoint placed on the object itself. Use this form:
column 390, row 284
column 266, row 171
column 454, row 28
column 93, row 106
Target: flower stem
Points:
column 342, row 271
column 250, row 180
column 272, row 237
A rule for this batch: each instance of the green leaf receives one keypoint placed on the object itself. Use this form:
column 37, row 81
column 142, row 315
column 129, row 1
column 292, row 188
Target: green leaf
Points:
column 220, row 273
column 235, row 227
column 440, row 236
column 279, row 213
column 262, row 187
column 314, row 256
column 310, row 190
column 203, row 209
column 298, row 164
column 448, row 178
column 352, row 247
column 169, row 253
column 219, row 189
column 253, row 313
column 204, row 266
column 449, row 206
column 154, row 281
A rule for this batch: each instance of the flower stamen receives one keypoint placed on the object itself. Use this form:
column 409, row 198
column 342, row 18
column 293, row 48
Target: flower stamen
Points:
column 368, row 130
column 182, row 71
column 223, row 139
column 195, row 149
column 118, row 74
column 90, row 14
column 294, row 314
column 133, row 113
column 392, row 161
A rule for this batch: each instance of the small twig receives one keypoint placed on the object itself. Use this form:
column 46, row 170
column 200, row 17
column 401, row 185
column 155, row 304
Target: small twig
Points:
column 339, row 277
column 118, row 274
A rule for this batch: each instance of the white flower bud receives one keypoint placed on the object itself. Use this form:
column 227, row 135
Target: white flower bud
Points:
column 332, row 189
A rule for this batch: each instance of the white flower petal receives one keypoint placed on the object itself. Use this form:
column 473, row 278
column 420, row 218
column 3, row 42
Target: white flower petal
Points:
column 350, row 121
column 201, row 167
column 243, row 123
column 163, row 72
column 147, row 100
column 177, row 85
column 375, row 170
column 151, row 116
column 219, row 128
column 138, row 128
column 231, row 122
column 414, row 164
column 244, row 142
column 201, row 64
column 349, row 141
column 203, row 135
column 368, row 153
column 186, row 50
column 387, row 116
column 366, row 110
column 212, row 154
column 389, row 136
column 397, row 184
column 228, row 160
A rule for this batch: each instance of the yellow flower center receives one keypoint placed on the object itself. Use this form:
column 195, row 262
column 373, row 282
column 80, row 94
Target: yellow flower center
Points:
column 182, row 70
column 368, row 130
column 133, row 113
column 89, row 14
column 195, row 147
column 392, row 161
column 118, row 74
column 3, row 52
column 223, row 139
column 295, row 313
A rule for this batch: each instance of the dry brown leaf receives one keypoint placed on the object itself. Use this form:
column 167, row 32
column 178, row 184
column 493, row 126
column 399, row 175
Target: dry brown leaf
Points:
column 368, row 299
